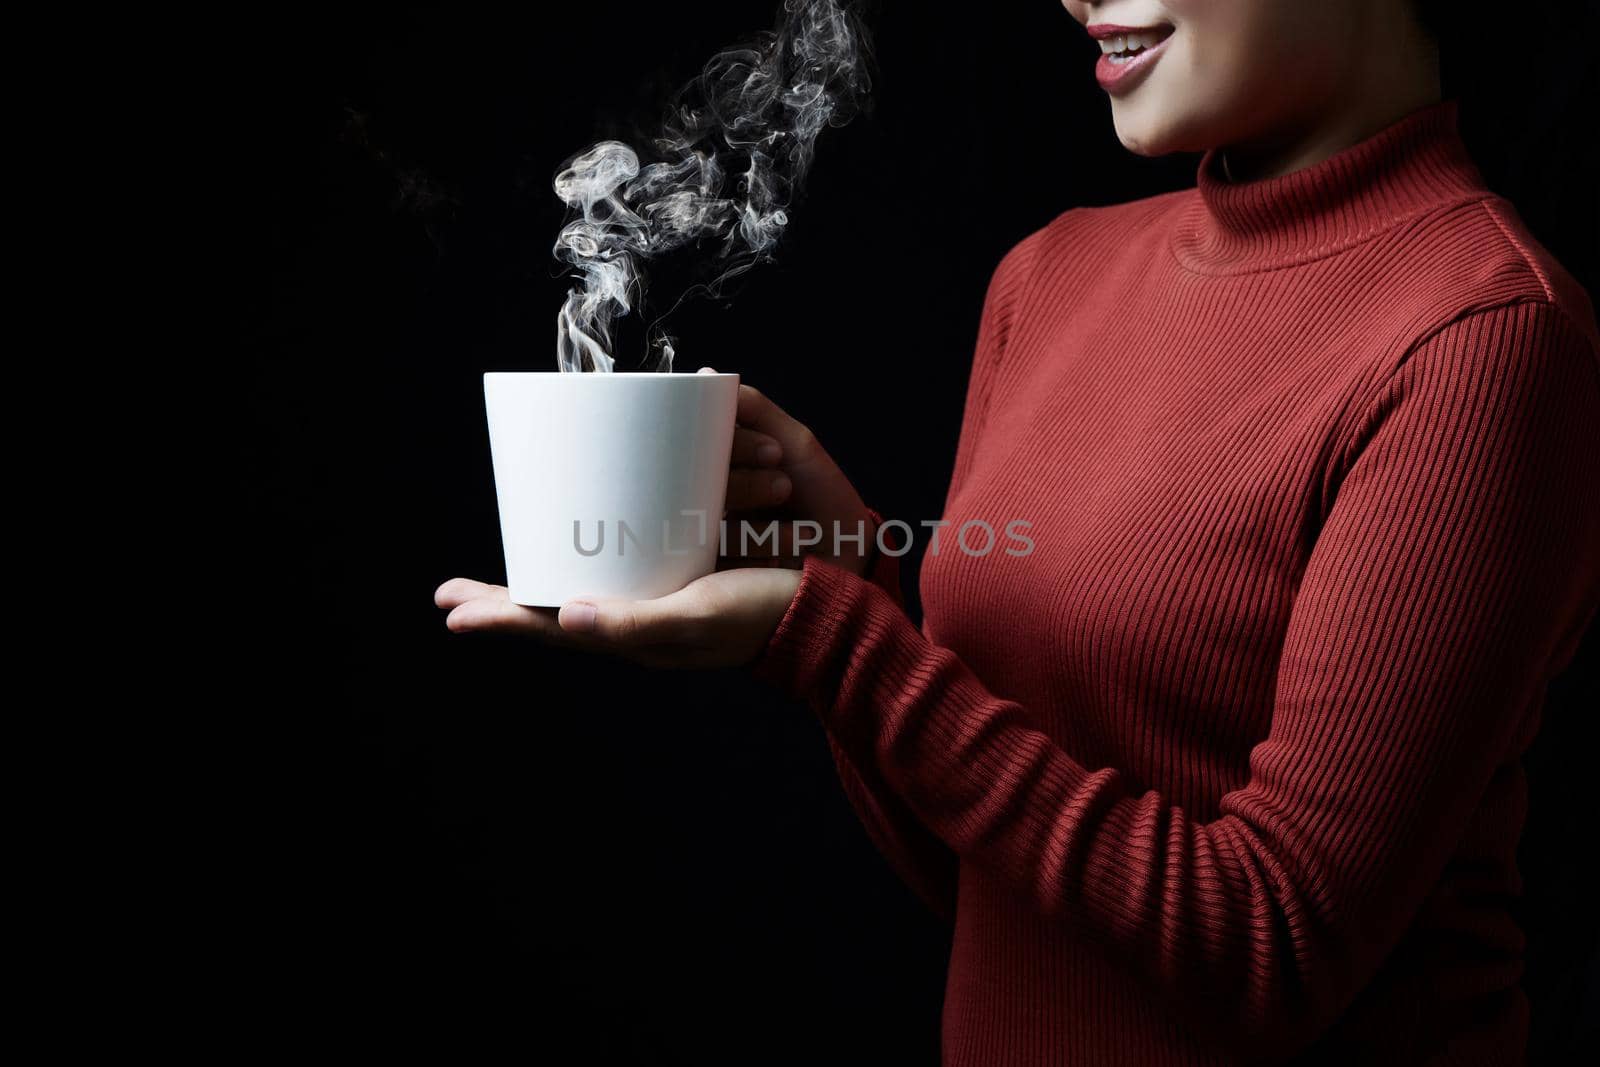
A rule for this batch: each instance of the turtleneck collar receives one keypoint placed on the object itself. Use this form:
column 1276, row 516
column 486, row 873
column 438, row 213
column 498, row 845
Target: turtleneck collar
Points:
column 1414, row 165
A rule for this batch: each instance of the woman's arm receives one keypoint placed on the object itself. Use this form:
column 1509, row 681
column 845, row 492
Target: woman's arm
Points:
column 883, row 570
column 925, row 863
column 1456, row 570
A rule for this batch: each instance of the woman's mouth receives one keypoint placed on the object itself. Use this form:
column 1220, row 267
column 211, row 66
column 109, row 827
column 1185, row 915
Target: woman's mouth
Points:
column 1126, row 52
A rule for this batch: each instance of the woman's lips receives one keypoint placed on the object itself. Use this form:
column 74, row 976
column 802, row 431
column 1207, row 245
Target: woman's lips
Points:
column 1127, row 52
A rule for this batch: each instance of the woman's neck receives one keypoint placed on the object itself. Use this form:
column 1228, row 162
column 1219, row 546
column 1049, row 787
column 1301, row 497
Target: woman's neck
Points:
column 1272, row 158
column 1393, row 83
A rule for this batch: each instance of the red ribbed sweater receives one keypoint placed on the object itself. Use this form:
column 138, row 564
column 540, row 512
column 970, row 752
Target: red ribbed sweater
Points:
column 1227, row 769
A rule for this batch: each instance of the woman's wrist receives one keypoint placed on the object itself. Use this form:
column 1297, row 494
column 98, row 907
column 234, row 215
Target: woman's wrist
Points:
column 823, row 590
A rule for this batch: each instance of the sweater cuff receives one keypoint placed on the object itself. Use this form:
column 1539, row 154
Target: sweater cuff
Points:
column 826, row 596
column 883, row 570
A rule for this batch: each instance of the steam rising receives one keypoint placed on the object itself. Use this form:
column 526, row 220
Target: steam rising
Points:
column 752, row 116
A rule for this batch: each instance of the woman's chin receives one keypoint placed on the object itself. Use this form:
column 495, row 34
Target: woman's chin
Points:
column 1145, row 133
column 1142, row 142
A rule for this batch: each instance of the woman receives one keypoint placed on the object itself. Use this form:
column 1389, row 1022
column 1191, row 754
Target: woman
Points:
column 1226, row 768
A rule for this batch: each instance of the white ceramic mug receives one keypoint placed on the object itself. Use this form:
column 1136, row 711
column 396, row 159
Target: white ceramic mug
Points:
column 609, row 484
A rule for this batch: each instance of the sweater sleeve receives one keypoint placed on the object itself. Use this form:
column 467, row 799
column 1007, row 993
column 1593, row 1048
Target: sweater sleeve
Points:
column 1454, row 572
column 883, row 569
column 922, row 860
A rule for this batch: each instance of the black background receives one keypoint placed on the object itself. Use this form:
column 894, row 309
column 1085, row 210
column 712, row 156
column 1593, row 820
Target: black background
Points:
column 474, row 839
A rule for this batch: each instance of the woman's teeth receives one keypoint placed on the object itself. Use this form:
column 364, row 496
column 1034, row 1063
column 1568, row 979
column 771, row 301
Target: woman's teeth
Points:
column 1125, row 46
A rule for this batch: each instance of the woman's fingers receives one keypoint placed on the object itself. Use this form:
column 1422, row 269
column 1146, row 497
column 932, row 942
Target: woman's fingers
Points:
column 636, row 623
column 759, row 413
column 478, row 606
column 459, row 590
column 752, row 448
column 720, row 619
column 749, row 489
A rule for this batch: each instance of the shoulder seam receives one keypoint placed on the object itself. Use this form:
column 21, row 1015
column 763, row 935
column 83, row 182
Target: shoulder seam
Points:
column 1374, row 394
column 1521, row 250
column 1548, row 301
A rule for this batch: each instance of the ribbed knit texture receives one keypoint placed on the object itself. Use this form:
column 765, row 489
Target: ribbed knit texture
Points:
column 1227, row 769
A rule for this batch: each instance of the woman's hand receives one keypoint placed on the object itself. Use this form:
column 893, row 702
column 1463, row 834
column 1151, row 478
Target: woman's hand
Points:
column 722, row 620
column 780, row 471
